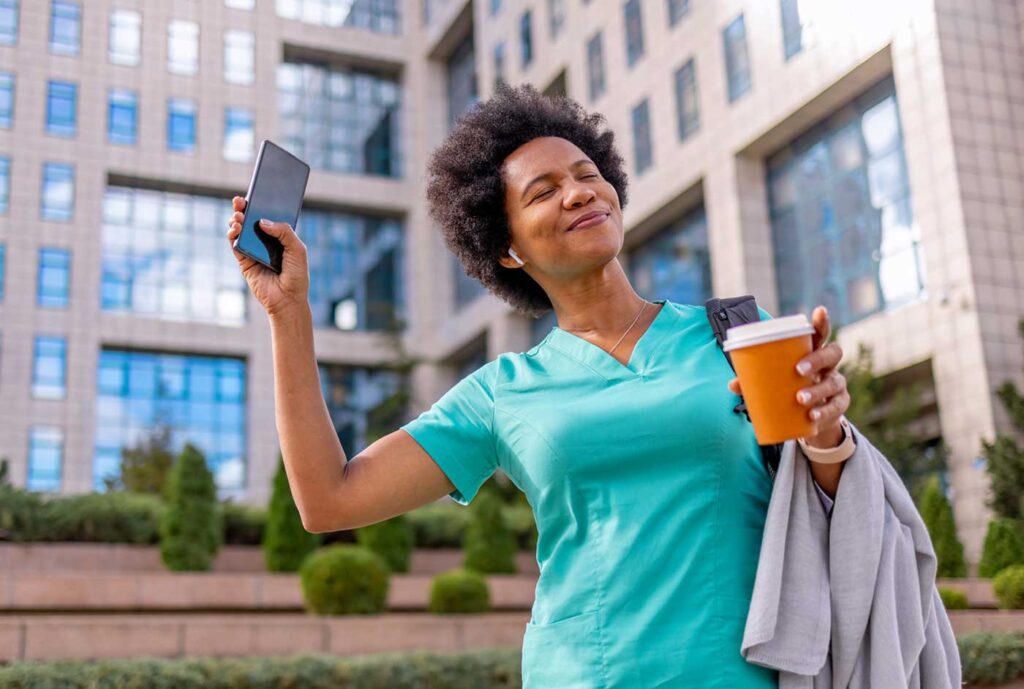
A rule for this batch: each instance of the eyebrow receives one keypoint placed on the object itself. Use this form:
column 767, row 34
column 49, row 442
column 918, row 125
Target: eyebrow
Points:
column 538, row 178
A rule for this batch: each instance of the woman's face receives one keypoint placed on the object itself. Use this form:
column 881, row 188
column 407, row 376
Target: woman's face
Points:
column 550, row 184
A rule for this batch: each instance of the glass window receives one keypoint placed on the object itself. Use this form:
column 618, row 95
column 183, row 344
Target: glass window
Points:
column 556, row 16
column 6, row 99
column 357, row 400
column 495, row 7
column 467, row 289
column 181, row 125
column 45, row 459
column 792, row 30
column 843, row 228
column 737, row 60
column 161, row 257
column 125, row 37
column 65, row 27
column 677, row 9
column 199, row 399
column 375, row 15
column 239, row 138
column 8, row 22
column 54, row 280
column 642, row 136
column 341, row 119
column 239, row 57
column 241, row 4
column 183, row 47
column 58, row 200
column 61, row 108
column 5, row 184
column 122, row 116
column 595, row 66
column 687, row 106
column 49, row 367
column 525, row 39
column 634, row 32
column 675, row 262
column 3, row 259
column 499, row 64
column 462, row 93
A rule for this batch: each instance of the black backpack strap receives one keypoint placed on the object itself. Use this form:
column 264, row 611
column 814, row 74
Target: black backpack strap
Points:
column 727, row 313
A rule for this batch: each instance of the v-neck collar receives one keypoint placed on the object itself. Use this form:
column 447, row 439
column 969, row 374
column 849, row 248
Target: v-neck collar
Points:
column 604, row 363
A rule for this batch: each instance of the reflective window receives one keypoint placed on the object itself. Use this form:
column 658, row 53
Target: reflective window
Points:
column 239, row 57
column 495, row 7
column 595, row 66
column 3, row 259
column 674, row 263
column 687, row 104
column 200, row 399
column 58, row 198
column 45, row 459
column 541, row 326
column 462, row 92
column 181, row 125
column 65, row 27
column 642, row 153
column 556, row 17
column 6, row 99
column 792, row 30
column 163, row 256
column 49, row 367
column 525, row 39
column 737, row 60
column 376, row 15
column 358, row 402
column 340, row 119
column 5, row 183
column 61, row 108
column 240, row 4
column 355, row 269
column 499, row 64
column 125, row 37
column 122, row 116
column 239, row 137
column 54, row 279
column 634, row 32
column 843, row 227
column 677, row 9
column 467, row 289
column 8, row 22
column 182, row 47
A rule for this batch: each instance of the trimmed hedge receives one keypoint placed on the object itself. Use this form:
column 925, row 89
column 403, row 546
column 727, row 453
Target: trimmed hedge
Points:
column 243, row 524
column 392, row 539
column 459, row 591
column 496, row 668
column 489, row 546
column 991, row 658
column 345, row 579
column 953, row 599
column 1003, row 547
column 1009, row 588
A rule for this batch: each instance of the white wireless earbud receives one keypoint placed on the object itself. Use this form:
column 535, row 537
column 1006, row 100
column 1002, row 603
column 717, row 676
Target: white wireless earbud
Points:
column 513, row 254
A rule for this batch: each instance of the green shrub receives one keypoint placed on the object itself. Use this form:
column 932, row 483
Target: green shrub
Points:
column 286, row 543
column 459, row 590
column 392, row 539
column 937, row 515
column 492, row 668
column 344, row 579
column 439, row 524
column 991, row 658
column 1004, row 546
column 490, row 547
column 1008, row 586
column 953, row 599
column 191, row 528
column 20, row 515
column 115, row 517
column 243, row 524
column 520, row 520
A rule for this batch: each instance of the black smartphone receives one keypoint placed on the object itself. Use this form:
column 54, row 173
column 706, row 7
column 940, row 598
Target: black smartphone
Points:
column 276, row 190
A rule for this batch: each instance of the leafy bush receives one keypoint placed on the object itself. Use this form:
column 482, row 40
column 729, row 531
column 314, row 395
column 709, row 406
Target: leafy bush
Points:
column 392, row 539
column 520, row 520
column 490, row 547
column 953, row 599
column 145, row 467
column 115, row 517
column 937, row 514
column 286, row 543
column 439, row 524
column 1009, row 588
column 497, row 668
column 991, row 658
column 1004, row 546
column 20, row 515
column 458, row 591
column 344, row 579
column 191, row 528
column 243, row 524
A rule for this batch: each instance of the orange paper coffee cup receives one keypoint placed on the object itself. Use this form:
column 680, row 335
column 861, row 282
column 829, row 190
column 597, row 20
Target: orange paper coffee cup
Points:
column 765, row 354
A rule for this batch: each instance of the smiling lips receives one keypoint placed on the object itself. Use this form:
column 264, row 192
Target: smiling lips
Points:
column 588, row 220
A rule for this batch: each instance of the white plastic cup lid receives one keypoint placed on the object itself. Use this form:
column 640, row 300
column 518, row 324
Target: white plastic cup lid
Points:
column 760, row 332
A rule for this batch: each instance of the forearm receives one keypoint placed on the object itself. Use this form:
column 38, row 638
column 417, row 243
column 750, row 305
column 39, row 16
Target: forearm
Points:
column 313, row 457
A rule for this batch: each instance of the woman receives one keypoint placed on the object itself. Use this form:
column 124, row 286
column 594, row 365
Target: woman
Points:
column 648, row 490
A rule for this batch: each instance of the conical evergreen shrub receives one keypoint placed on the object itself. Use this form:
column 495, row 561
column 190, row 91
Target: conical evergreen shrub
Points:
column 1004, row 546
column 286, row 543
column 191, row 527
column 937, row 514
column 489, row 544
column 392, row 539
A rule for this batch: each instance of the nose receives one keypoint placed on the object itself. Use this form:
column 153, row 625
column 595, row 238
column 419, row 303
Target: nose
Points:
column 578, row 194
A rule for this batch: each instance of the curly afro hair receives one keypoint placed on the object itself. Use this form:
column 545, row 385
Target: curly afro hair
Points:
column 466, row 192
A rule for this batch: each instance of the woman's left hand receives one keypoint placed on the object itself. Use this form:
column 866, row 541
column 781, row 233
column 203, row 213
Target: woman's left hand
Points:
column 827, row 399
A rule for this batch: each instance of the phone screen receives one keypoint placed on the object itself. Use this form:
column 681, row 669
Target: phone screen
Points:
column 276, row 190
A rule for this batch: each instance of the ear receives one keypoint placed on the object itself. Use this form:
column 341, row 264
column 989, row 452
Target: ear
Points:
column 508, row 262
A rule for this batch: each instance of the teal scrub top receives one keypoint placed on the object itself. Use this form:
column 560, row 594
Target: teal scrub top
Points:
column 649, row 494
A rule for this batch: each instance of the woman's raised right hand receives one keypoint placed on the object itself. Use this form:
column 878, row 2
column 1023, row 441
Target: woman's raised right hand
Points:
column 279, row 294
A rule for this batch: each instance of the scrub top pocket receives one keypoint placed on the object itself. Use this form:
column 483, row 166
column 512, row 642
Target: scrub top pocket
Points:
column 564, row 654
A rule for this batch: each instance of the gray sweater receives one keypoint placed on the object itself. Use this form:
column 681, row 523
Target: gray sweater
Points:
column 848, row 601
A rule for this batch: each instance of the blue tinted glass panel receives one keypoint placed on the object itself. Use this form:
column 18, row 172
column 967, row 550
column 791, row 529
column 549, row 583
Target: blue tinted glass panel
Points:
column 122, row 117
column 61, row 108
column 45, row 458
column 8, row 22
column 687, row 103
column 381, row 16
column 737, row 59
column 181, row 125
column 634, row 32
column 595, row 66
column 5, row 183
column 49, row 367
column 792, row 29
column 642, row 153
column 677, row 9
column 3, row 264
column 526, row 39
column 675, row 263
column 239, row 137
column 58, row 200
column 6, row 99
column 353, row 395
column 65, row 27
column 53, row 278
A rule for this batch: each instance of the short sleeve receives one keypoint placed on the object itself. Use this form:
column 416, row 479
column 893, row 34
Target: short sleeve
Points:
column 457, row 433
column 765, row 316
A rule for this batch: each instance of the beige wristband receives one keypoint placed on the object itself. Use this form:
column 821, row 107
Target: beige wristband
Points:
column 834, row 455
